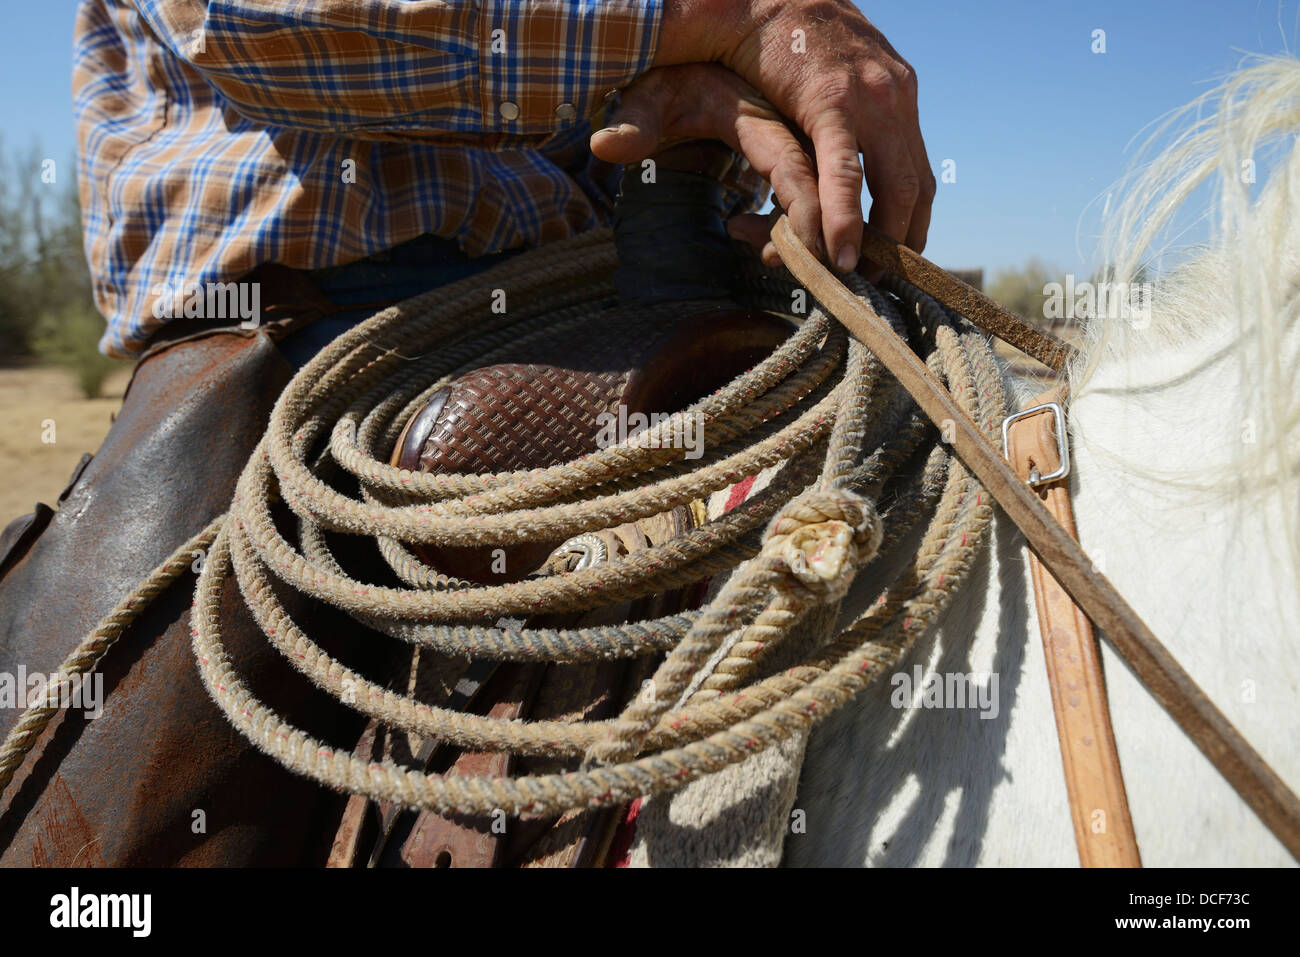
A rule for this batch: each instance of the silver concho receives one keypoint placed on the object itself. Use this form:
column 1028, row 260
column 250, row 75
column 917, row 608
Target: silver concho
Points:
column 591, row 549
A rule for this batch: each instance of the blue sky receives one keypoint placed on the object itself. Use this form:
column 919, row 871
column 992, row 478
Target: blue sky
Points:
column 1037, row 124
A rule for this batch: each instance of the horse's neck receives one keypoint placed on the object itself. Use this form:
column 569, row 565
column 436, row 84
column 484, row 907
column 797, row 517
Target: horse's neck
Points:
column 1158, row 439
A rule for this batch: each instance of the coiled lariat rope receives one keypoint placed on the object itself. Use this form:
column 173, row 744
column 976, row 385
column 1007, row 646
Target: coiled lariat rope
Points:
column 820, row 410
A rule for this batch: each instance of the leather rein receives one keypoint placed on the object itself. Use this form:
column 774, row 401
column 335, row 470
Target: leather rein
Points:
column 1053, row 544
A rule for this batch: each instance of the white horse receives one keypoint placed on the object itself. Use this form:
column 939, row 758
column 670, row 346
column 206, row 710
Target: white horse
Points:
column 1185, row 433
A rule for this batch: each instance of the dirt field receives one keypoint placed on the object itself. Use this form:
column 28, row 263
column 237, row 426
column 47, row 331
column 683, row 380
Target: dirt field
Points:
column 33, row 470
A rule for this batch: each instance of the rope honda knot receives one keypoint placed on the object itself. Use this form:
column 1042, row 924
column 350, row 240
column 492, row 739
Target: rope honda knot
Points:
column 822, row 537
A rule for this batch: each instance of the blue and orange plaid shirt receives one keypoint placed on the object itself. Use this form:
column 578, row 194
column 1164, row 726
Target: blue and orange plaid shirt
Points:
column 217, row 135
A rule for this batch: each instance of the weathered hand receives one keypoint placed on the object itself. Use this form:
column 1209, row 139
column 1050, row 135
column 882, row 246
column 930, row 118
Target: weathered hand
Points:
column 708, row 101
column 825, row 67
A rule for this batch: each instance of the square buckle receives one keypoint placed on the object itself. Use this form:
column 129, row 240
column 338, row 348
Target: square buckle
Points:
column 1062, row 442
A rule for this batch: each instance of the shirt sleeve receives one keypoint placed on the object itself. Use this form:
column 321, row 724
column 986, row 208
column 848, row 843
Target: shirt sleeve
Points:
column 503, row 69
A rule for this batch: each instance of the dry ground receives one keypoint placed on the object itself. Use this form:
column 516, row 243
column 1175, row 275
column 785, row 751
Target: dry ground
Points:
column 32, row 470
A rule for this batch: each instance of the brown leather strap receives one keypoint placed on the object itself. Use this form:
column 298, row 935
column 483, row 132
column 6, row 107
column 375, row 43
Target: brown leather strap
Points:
column 359, row 812
column 965, row 300
column 1103, row 828
column 456, row 840
column 1257, row 783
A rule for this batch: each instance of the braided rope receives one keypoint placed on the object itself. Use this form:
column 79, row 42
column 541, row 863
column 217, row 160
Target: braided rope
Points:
column 810, row 409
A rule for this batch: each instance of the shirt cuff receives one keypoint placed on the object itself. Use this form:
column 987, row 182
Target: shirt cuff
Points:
column 547, row 64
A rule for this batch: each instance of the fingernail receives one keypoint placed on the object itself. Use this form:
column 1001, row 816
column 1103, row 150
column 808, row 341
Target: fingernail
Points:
column 610, row 129
column 848, row 257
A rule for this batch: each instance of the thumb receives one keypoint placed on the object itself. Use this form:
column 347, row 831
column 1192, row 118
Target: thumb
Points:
column 638, row 125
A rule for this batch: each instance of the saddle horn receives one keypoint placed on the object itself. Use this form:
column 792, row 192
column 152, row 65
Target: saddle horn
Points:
column 669, row 228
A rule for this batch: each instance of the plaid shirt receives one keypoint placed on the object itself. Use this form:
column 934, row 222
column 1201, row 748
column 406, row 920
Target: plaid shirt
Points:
column 216, row 135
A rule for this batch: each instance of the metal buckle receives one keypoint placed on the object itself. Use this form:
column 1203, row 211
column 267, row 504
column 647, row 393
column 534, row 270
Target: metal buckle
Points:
column 1062, row 442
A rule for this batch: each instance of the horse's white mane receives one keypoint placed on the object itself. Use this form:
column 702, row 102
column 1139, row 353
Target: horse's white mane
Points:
column 1240, row 293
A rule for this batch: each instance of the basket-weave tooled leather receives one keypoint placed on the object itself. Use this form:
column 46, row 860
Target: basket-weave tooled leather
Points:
column 548, row 410
column 520, row 416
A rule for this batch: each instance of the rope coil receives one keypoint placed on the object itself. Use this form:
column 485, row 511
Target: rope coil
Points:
column 820, row 410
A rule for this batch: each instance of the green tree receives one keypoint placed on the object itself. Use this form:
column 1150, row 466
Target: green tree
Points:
column 1020, row 289
column 46, row 307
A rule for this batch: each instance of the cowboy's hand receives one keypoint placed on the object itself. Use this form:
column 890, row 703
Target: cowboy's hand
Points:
column 708, row 101
column 826, row 68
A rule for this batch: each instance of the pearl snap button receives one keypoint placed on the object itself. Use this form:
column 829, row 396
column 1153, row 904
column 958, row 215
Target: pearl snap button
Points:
column 509, row 111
